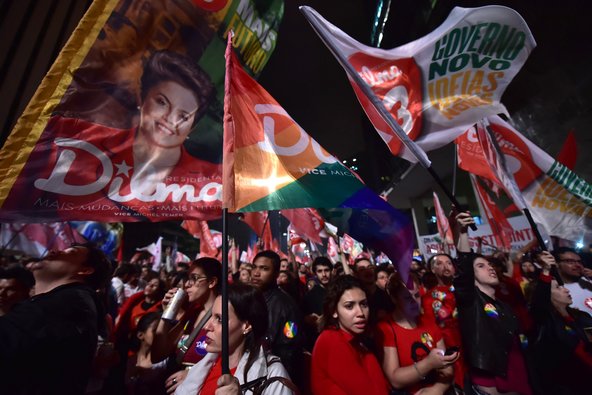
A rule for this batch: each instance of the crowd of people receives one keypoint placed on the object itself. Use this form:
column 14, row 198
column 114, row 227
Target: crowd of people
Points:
column 473, row 324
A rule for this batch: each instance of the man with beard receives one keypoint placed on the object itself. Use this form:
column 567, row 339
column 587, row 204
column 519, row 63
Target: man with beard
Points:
column 312, row 304
column 439, row 306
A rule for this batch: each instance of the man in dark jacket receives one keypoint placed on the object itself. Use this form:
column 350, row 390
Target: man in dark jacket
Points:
column 284, row 331
column 47, row 343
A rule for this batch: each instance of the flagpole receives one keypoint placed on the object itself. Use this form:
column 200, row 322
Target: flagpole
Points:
column 225, row 366
column 454, row 171
column 525, row 210
column 263, row 230
column 415, row 150
column 224, row 292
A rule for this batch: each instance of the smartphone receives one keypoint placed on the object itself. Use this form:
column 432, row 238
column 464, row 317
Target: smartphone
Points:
column 451, row 350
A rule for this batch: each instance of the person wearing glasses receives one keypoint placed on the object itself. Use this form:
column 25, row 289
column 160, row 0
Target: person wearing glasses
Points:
column 571, row 270
column 184, row 341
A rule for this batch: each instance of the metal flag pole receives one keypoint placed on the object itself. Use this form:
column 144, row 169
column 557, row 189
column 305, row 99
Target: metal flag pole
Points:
column 415, row 150
column 224, row 293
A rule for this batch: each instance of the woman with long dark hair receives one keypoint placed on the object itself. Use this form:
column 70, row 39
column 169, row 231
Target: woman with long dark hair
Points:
column 249, row 364
column 490, row 330
column 341, row 361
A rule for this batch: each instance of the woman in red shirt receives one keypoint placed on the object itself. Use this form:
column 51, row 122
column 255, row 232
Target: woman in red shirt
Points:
column 414, row 357
column 341, row 363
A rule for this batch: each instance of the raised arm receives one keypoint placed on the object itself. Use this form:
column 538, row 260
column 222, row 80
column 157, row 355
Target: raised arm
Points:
column 464, row 282
column 167, row 334
column 541, row 298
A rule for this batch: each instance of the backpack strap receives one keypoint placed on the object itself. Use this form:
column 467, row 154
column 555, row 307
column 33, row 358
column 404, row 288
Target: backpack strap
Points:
column 285, row 381
column 185, row 347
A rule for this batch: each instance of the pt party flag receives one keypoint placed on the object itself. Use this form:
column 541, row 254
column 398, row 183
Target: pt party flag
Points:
column 438, row 85
column 307, row 222
column 271, row 163
column 127, row 124
column 442, row 221
column 500, row 226
column 557, row 198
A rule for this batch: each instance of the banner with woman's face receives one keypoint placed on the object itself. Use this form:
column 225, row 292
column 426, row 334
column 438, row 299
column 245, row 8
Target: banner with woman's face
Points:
column 127, row 124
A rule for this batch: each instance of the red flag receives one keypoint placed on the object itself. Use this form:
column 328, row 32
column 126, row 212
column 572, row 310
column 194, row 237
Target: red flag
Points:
column 442, row 221
column 36, row 239
column 294, row 237
column 275, row 245
column 307, row 222
column 347, row 243
column 470, row 155
column 332, row 250
column 569, row 152
column 209, row 244
column 250, row 254
column 500, row 227
column 192, row 227
column 259, row 222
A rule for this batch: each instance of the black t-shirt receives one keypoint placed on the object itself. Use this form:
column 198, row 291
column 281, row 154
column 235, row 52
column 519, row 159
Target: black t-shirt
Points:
column 47, row 343
column 313, row 300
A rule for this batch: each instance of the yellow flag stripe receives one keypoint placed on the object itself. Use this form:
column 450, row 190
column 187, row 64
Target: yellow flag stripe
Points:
column 31, row 124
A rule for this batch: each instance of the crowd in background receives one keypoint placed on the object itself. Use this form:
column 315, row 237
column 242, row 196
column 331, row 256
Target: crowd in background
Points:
column 73, row 323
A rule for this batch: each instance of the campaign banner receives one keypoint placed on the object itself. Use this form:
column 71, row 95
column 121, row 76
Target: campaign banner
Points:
column 127, row 124
column 438, row 85
column 521, row 235
column 558, row 199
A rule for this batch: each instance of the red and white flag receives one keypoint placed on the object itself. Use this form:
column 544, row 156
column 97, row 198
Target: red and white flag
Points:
column 209, row 241
column 500, row 227
column 154, row 249
column 307, row 222
column 557, row 198
column 438, row 85
column 36, row 239
column 332, row 250
column 442, row 221
column 259, row 222
column 347, row 243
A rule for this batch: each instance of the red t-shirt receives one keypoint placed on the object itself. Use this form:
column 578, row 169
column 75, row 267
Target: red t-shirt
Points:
column 439, row 308
column 412, row 345
column 211, row 382
column 341, row 365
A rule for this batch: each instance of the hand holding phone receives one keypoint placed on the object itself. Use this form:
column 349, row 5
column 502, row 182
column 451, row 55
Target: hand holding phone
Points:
column 451, row 350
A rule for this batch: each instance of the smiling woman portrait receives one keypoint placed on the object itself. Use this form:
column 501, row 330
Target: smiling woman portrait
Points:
column 143, row 171
column 173, row 95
